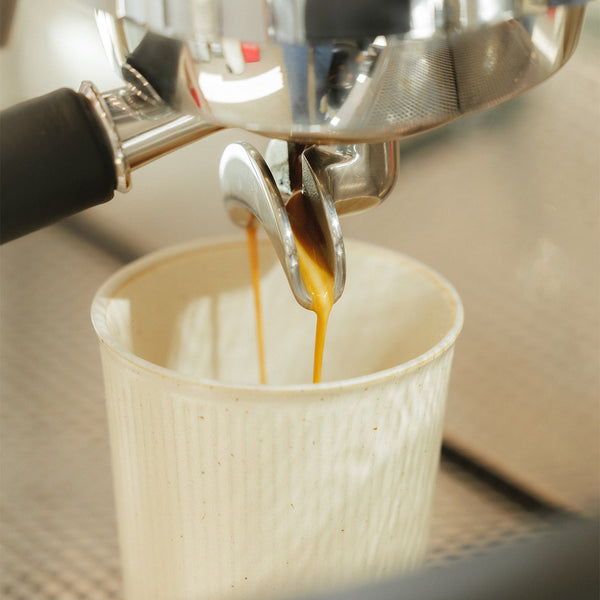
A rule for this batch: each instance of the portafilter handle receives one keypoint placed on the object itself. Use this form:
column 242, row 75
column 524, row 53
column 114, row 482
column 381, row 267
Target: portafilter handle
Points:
column 56, row 160
column 67, row 151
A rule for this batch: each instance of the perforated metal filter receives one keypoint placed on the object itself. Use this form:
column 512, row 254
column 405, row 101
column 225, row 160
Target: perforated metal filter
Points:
column 416, row 87
column 511, row 65
column 58, row 531
column 422, row 84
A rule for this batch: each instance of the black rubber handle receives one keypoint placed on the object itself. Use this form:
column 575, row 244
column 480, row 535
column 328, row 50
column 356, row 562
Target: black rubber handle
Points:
column 55, row 160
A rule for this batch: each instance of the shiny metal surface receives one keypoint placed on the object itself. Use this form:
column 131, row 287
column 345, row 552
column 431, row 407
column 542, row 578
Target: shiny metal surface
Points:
column 147, row 130
column 141, row 127
column 122, row 168
column 358, row 71
column 356, row 176
column 251, row 194
column 339, row 179
column 139, row 123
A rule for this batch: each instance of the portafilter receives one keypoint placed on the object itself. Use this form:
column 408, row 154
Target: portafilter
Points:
column 334, row 83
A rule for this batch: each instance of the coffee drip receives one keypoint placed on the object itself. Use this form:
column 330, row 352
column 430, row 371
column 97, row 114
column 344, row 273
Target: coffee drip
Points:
column 252, row 240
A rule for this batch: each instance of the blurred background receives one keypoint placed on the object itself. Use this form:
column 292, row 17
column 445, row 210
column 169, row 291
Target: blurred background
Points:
column 505, row 203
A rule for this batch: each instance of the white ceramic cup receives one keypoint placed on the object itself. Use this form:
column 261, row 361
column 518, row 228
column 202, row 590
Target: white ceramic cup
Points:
column 229, row 489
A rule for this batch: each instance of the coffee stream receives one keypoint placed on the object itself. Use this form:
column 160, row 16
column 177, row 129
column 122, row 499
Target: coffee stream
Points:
column 251, row 238
column 317, row 275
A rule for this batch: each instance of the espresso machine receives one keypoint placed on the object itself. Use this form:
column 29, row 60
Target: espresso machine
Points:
column 334, row 84
column 192, row 68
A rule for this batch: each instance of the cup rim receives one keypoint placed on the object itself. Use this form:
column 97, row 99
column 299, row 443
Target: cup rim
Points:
column 143, row 264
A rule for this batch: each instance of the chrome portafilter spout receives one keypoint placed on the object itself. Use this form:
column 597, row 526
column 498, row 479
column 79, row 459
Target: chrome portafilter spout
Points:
column 333, row 180
column 250, row 194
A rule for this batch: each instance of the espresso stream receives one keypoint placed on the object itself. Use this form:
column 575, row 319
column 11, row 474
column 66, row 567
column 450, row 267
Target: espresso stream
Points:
column 254, row 270
column 317, row 276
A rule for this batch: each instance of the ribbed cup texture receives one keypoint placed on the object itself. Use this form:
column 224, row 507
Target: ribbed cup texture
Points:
column 255, row 494
column 235, row 490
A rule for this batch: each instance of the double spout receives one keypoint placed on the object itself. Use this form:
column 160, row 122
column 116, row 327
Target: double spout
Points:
column 333, row 181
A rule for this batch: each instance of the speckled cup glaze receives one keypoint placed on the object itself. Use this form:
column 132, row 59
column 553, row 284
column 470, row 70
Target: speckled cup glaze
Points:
column 229, row 489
